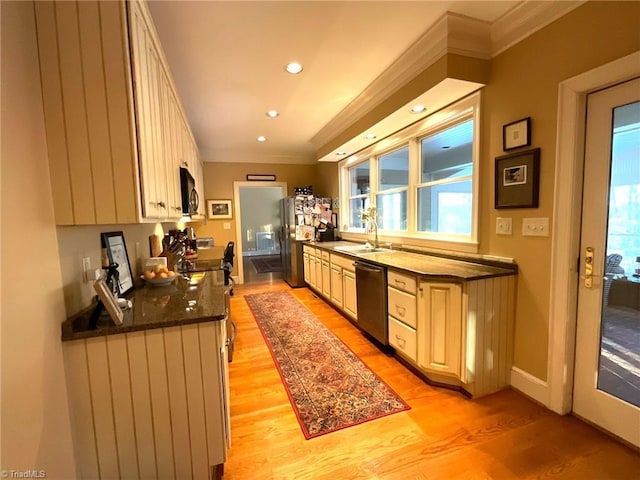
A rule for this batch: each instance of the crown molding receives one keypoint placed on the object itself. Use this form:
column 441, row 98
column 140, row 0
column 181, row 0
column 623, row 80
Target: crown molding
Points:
column 525, row 19
column 452, row 33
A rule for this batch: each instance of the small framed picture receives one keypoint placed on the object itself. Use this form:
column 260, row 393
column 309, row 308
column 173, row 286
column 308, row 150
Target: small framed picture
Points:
column 116, row 250
column 517, row 178
column 516, row 134
column 219, row 209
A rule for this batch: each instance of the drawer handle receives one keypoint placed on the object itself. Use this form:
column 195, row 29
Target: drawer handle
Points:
column 402, row 343
column 402, row 283
column 401, row 310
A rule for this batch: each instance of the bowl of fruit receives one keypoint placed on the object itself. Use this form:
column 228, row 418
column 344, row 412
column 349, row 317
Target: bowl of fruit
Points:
column 158, row 275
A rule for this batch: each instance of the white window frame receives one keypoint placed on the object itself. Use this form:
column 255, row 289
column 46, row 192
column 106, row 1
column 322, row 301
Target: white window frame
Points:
column 392, row 190
column 465, row 109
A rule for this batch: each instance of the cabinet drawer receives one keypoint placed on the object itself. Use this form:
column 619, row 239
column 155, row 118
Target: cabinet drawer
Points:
column 402, row 306
column 402, row 338
column 325, row 255
column 309, row 250
column 402, row 282
column 342, row 261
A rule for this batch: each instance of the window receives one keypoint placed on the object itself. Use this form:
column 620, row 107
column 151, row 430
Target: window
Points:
column 423, row 182
column 359, row 188
column 445, row 190
column 393, row 182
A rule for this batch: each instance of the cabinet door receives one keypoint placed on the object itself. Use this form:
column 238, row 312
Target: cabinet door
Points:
column 318, row 265
column 439, row 327
column 171, row 172
column 350, row 300
column 336, row 285
column 312, row 270
column 147, row 72
column 307, row 267
column 326, row 279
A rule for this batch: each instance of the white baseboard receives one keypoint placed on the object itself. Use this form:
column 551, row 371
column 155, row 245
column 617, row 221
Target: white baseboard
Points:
column 529, row 385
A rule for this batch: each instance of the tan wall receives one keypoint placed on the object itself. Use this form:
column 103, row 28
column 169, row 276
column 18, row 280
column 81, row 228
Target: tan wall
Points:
column 218, row 184
column 35, row 428
column 524, row 83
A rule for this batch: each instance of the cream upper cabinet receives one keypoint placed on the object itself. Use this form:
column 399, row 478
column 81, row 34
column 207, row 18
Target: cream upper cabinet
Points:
column 107, row 96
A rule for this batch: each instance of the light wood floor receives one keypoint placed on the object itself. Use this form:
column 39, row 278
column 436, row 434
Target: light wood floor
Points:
column 443, row 436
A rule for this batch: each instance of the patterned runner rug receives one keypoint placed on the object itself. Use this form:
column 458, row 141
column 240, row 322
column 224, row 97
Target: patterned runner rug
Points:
column 328, row 385
column 271, row 263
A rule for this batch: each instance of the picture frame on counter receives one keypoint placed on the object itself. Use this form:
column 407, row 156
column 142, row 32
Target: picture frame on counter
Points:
column 219, row 209
column 114, row 248
column 253, row 177
column 516, row 134
column 517, row 180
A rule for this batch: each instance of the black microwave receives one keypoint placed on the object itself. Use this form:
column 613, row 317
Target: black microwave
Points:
column 190, row 198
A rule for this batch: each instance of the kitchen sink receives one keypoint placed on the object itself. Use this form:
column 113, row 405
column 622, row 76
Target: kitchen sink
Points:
column 361, row 249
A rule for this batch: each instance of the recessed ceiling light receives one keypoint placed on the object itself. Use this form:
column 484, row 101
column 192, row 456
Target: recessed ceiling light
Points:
column 341, row 153
column 418, row 109
column 273, row 113
column 369, row 136
column 262, row 138
column 293, row 68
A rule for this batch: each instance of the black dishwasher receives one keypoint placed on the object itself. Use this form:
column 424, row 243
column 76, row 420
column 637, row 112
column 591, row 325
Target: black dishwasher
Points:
column 371, row 287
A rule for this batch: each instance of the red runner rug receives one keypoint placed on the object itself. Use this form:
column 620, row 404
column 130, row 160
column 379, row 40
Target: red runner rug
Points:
column 328, row 386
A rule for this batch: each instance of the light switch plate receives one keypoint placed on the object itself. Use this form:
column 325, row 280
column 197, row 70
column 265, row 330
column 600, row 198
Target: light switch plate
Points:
column 535, row 227
column 504, row 226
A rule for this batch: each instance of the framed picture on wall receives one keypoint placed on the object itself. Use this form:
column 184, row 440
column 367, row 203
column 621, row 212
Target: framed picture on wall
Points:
column 517, row 178
column 516, row 134
column 219, row 209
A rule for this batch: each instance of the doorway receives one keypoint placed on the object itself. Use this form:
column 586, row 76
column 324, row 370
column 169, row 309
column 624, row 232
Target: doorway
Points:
column 258, row 229
column 607, row 362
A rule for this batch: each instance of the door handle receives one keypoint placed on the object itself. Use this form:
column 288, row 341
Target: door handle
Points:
column 588, row 269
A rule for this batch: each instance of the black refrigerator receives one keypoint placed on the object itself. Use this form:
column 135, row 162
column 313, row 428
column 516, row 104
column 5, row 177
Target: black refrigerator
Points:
column 290, row 248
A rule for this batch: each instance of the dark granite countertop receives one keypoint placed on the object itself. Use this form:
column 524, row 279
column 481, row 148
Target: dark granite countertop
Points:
column 192, row 298
column 427, row 265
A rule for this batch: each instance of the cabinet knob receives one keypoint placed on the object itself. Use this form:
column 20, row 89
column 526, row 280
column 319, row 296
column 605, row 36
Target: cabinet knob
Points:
column 185, row 164
column 162, row 204
column 177, row 209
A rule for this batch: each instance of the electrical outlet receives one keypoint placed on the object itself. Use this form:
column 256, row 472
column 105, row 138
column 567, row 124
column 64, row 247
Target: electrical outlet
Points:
column 504, row 226
column 226, row 225
column 535, row 227
column 86, row 268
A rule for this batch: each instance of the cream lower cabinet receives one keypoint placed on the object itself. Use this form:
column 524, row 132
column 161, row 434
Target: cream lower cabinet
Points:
column 439, row 327
column 454, row 333
column 402, row 311
column 306, row 265
column 337, row 285
column 150, row 404
column 343, row 284
column 110, row 110
column 326, row 274
column 350, row 305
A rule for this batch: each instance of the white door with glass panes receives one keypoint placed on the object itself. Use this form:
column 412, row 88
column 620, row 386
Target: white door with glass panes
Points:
column 607, row 365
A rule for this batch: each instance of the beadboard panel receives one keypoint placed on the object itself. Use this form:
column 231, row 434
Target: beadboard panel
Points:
column 54, row 113
column 148, row 404
column 489, row 333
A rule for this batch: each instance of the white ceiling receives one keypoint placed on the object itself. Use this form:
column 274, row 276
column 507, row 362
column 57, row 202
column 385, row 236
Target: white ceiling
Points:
column 227, row 60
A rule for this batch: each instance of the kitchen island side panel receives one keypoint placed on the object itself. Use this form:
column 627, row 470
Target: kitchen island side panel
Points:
column 147, row 404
